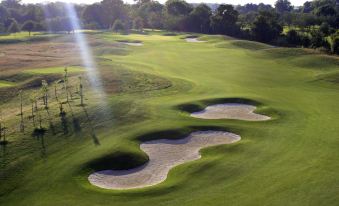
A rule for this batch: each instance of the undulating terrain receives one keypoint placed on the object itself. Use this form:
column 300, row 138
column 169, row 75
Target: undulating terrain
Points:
column 150, row 91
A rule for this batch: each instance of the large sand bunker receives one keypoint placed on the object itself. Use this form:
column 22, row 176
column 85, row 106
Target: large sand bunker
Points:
column 163, row 156
column 193, row 40
column 230, row 111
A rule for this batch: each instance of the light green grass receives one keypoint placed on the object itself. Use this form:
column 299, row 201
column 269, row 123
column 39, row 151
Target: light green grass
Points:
column 20, row 35
column 6, row 84
column 54, row 70
column 291, row 160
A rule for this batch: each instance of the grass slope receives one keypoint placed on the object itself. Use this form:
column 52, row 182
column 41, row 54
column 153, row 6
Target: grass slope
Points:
column 291, row 160
column 55, row 70
column 6, row 84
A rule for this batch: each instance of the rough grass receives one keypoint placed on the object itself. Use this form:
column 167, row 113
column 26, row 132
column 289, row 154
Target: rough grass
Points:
column 290, row 160
column 55, row 70
column 24, row 37
column 6, row 84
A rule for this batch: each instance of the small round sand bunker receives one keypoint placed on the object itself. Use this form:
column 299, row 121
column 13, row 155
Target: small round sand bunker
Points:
column 133, row 43
column 163, row 155
column 230, row 111
column 193, row 40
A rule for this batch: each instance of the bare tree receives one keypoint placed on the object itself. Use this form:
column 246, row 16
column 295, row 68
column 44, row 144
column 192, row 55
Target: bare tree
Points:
column 81, row 91
column 33, row 102
column 22, row 126
column 66, row 83
column 56, row 90
column 1, row 126
column 45, row 92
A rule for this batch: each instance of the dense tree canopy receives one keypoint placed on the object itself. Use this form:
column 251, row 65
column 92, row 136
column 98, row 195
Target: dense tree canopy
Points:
column 316, row 22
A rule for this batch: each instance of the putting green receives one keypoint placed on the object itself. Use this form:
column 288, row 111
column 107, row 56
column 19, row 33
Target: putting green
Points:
column 55, row 70
column 289, row 160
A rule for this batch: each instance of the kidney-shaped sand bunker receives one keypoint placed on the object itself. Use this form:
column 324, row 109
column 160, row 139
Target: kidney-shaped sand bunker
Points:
column 230, row 111
column 163, row 155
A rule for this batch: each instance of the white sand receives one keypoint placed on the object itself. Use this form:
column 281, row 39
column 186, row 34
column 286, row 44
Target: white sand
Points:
column 193, row 40
column 230, row 111
column 163, row 156
column 132, row 44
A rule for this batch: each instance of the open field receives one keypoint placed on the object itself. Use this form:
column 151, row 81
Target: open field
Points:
column 151, row 91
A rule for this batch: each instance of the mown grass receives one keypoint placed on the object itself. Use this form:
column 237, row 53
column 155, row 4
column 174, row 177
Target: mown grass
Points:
column 290, row 160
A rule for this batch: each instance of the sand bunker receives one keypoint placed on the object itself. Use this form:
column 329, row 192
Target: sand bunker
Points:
column 230, row 111
column 163, row 156
column 132, row 43
column 193, row 40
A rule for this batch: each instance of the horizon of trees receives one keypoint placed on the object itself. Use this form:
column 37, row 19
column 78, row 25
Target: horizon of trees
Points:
column 315, row 24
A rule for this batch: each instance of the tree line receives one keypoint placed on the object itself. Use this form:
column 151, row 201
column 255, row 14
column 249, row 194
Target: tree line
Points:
column 313, row 25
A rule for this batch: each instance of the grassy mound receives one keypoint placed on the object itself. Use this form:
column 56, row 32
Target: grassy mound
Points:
column 250, row 45
column 6, row 84
column 55, row 70
column 288, row 161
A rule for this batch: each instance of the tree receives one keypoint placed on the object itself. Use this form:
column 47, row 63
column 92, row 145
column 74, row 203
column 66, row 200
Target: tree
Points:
column 22, row 126
column 154, row 20
column 4, row 14
column 2, row 130
column 44, row 89
column 138, row 24
column 14, row 27
column 148, row 9
column 199, row 19
column 265, row 27
column 118, row 26
column 66, row 82
column 177, row 7
column 175, row 14
column 28, row 26
column 335, row 43
column 293, row 37
column 317, row 39
column 307, row 7
column 112, row 10
column 33, row 100
column 282, row 6
column 81, row 92
column 13, row 4
column 224, row 20
column 93, row 14
column 326, row 10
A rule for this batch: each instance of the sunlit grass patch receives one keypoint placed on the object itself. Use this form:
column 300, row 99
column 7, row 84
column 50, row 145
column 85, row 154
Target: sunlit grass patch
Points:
column 55, row 70
column 6, row 84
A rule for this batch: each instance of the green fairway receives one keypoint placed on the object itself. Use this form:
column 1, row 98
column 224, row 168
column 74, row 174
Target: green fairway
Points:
column 291, row 159
column 54, row 70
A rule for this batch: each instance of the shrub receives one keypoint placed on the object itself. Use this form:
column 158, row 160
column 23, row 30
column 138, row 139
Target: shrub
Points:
column 335, row 43
column 293, row 38
column 305, row 41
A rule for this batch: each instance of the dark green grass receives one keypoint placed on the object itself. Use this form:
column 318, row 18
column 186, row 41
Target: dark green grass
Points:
column 290, row 160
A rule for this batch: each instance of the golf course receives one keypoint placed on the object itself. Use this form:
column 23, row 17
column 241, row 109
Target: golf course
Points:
column 148, row 93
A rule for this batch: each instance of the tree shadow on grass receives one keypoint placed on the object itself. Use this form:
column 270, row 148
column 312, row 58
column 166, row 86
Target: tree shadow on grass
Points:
column 93, row 134
column 64, row 122
column 39, row 133
column 51, row 125
column 75, row 120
